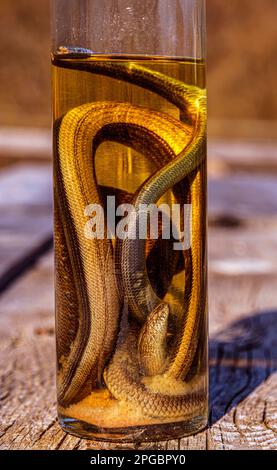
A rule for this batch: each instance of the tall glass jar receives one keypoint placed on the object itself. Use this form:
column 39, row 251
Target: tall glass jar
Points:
column 129, row 107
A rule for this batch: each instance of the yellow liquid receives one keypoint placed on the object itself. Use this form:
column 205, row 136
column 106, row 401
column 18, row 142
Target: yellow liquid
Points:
column 121, row 170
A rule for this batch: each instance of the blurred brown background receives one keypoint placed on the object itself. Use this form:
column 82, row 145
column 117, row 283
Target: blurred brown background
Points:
column 242, row 72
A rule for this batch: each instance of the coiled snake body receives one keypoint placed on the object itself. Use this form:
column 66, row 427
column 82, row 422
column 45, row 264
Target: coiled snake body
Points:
column 97, row 348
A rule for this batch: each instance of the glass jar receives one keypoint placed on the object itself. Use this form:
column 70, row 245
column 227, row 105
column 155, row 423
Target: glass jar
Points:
column 129, row 109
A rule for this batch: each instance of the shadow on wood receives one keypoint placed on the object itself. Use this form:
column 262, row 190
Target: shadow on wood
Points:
column 242, row 357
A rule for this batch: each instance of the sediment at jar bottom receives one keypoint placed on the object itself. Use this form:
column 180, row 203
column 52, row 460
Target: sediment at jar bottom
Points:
column 128, row 397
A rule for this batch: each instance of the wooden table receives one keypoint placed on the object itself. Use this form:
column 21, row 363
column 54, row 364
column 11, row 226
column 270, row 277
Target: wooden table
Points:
column 242, row 293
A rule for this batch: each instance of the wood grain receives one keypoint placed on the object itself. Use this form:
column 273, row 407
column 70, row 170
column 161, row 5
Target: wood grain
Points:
column 25, row 217
column 243, row 360
column 243, row 325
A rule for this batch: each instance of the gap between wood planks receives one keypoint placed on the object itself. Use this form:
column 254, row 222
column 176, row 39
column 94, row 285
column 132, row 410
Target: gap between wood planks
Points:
column 25, row 263
column 25, row 219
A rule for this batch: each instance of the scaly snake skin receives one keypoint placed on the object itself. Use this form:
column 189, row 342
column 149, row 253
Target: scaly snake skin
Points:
column 104, row 277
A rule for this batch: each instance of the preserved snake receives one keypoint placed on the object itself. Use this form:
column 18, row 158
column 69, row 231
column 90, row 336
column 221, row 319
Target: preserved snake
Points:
column 110, row 280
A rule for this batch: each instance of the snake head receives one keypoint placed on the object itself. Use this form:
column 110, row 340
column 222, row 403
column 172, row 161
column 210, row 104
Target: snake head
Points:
column 152, row 348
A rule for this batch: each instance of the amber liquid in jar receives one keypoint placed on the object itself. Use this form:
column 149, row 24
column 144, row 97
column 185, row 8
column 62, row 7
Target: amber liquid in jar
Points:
column 96, row 399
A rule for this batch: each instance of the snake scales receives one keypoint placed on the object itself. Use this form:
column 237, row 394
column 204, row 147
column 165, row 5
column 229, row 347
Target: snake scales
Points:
column 101, row 346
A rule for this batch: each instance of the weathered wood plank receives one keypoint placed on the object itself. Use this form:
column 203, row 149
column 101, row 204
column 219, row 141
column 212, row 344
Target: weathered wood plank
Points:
column 242, row 155
column 25, row 217
column 243, row 317
column 22, row 143
column 242, row 196
column 224, row 154
column 243, row 361
column 26, row 210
